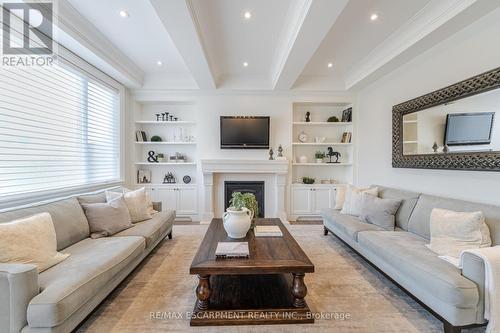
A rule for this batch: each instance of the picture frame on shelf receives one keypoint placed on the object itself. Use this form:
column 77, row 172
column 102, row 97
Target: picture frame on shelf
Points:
column 144, row 176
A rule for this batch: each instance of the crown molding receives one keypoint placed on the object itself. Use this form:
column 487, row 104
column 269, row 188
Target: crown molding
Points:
column 81, row 37
column 433, row 16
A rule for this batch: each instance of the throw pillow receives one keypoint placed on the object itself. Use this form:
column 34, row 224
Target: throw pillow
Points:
column 136, row 203
column 452, row 232
column 339, row 197
column 151, row 209
column 30, row 240
column 352, row 200
column 379, row 211
column 106, row 219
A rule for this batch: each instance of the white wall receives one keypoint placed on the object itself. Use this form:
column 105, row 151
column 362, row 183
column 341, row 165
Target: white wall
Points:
column 470, row 52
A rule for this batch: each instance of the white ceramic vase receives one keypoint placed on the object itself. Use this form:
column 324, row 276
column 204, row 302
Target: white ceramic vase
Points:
column 237, row 222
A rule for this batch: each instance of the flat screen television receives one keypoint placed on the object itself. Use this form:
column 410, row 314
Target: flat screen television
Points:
column 244, row 132
column 469, row 128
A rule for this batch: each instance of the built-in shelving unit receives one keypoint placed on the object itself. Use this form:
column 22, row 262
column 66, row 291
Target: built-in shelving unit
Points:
column 410, row 133
column 306, row 201
column 321, row 134
column 178, row 138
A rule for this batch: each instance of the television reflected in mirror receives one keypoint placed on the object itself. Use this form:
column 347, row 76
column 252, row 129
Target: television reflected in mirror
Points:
column 464, row 125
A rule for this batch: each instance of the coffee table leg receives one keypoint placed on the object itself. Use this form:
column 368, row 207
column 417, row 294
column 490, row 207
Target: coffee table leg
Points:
column 203, row 291
column 299, row 290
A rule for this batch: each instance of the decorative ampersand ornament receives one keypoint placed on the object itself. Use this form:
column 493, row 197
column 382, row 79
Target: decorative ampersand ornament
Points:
column 151, row 157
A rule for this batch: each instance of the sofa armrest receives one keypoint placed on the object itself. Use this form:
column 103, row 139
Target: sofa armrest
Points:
column 473, row 269
column 18, row 286
column 157, row 206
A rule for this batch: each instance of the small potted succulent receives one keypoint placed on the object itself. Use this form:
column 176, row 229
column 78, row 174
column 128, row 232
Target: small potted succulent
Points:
column 320, row 155
column 308, row 180
column 238, row 218
column 160, row 157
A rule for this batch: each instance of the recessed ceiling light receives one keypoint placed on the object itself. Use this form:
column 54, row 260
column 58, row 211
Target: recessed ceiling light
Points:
column 159, row 63
column 245, row 64
column 330, row 65
column 123, row 13
column 247, row 15
column 374, row 17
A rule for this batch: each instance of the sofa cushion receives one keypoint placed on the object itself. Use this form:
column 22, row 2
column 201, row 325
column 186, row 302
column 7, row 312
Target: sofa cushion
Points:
column 419, row 267
column 350, row 225
column 421, row 216
column 31, row 240
column 151, row 229
column 408, row 202
column 92, row 198
column 67, row 215
column 106, row 219
column 93, row 263
column 379, row 211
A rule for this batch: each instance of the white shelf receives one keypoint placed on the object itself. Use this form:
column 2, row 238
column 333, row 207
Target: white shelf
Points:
column 166, row 123
column 409, row 121
column 407, row 142
column 322, row 164
column 321, row 144
column 165, row 143
column 167, row 184
column 165, row 163
column 323, row 123
column 317, row 185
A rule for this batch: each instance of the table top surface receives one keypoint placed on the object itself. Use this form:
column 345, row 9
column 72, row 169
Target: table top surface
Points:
column 268, row 255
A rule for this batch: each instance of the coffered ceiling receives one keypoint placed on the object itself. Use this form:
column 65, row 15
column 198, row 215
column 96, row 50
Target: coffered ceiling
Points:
column 269, row 44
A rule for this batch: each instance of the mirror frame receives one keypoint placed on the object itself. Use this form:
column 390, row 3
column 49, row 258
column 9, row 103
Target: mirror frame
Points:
column 480, row 161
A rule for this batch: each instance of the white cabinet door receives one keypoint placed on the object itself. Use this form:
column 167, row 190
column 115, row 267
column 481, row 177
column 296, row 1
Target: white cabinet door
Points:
column 301, row 200
column 167, row 196
column 152, row 193
column 322, row 199
column 187, row 203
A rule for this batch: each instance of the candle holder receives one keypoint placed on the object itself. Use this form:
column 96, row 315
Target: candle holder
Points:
column 166, row 118
column 157, row 117
column 163, row 117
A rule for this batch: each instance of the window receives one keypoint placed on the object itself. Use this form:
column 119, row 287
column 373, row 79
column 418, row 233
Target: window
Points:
column 59, row 129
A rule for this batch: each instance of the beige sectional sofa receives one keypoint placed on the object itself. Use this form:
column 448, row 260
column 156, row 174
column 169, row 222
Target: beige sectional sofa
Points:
column 456, row 296
column 58, row 299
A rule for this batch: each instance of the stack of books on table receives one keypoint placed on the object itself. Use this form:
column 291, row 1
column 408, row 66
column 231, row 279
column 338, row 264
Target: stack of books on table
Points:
column 232, row 250
column 268, row 231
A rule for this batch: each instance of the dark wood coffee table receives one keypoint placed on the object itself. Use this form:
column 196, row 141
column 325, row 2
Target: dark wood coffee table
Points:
column 267, row 288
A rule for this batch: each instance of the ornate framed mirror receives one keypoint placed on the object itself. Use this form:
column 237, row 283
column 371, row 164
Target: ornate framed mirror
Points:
column 454, row 128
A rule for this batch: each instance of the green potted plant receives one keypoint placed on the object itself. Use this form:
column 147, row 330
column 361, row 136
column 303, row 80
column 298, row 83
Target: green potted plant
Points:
column 333, row 119
column 155, row 138
column 319, row 155
column 308, row 180
column 160, row 157
column 239, row 216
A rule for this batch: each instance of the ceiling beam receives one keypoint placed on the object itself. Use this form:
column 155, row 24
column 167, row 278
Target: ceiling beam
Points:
column 309, row 22
column 438, row 20
column 180, row 21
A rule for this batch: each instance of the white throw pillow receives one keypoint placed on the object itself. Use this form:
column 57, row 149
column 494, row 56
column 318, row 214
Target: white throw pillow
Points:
column 339, row 197
column 136, row 201
column 151, row 209
column 352, row 202
column 30, row 240
column 452, row 232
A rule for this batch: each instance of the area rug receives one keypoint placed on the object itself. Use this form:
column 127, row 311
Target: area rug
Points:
column 346, row 293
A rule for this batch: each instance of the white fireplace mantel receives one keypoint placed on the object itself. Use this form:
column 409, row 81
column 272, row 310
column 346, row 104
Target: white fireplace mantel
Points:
column 244, row 166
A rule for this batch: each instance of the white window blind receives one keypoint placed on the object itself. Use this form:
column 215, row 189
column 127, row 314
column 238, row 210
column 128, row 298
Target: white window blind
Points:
column 59, row 128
